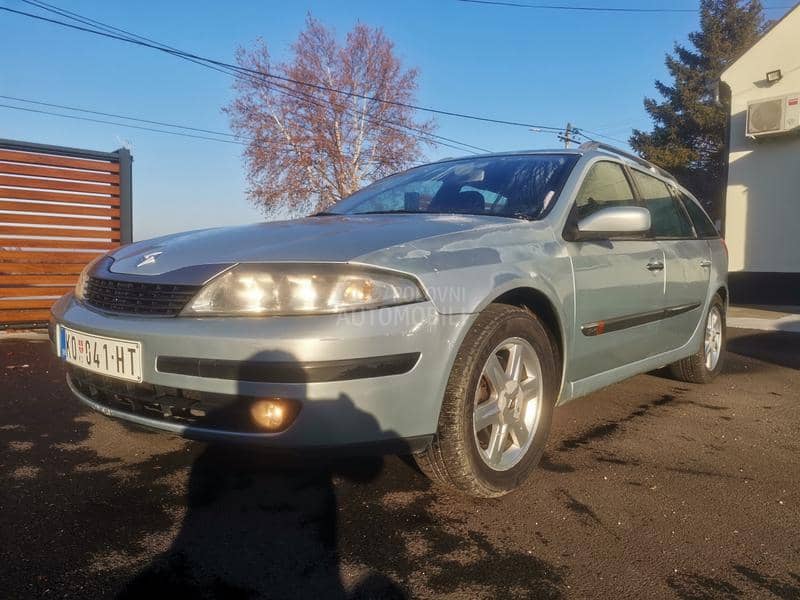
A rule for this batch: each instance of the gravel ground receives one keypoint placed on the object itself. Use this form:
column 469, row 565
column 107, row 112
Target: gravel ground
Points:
column 650, row 488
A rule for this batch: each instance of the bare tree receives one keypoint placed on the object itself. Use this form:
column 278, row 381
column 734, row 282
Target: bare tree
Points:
column 309, row 146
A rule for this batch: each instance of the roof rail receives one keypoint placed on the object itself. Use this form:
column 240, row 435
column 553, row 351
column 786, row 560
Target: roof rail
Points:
column 586, row 146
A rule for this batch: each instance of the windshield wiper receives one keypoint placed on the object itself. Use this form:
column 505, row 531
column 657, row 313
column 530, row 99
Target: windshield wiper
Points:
column 516, row 215
column 391, row 212
column 325, row 213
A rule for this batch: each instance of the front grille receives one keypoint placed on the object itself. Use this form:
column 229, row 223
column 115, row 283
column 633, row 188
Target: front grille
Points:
column 137, row 298
column 184, row 407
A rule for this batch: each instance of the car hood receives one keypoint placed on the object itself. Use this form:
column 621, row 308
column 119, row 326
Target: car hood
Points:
column 317, row 239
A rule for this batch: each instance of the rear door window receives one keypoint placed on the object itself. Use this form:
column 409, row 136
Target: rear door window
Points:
column 667, row 217
column 604, row 186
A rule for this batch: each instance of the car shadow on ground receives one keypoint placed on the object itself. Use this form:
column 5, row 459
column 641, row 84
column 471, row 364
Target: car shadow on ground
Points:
column 304, row 525
column 694, row 586
column 133, row 513
column 260, row 526
column 263, row 522
column 768, row 346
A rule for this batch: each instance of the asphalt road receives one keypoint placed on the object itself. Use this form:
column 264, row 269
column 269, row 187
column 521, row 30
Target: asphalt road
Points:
column 650, row 488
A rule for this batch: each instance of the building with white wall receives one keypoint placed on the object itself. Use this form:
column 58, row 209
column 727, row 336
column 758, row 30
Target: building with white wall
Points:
column 762, row 207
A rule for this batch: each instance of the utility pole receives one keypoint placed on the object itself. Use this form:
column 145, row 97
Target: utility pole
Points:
column 567, row 135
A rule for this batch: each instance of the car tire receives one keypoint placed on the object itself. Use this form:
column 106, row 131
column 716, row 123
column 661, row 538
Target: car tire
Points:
column 707, row 362
column 492, row 461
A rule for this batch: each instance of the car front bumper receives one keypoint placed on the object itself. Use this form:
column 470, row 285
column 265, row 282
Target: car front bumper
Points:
column 362, row 378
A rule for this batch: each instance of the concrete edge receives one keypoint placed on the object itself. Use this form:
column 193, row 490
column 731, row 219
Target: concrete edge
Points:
column 789, row 324
column 23, row 335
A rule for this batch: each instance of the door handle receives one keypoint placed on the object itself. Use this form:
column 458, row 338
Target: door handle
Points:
column 705, row 264
column 655, row 265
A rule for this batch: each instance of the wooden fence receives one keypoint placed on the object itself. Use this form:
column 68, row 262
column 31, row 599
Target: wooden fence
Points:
column 59, row 208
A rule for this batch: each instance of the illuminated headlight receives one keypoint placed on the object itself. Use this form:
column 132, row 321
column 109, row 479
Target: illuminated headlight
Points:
column 83, row 278
column 297, row 289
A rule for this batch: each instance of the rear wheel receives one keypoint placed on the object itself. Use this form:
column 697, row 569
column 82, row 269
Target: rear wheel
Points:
column 497, row 407
column 706, row 363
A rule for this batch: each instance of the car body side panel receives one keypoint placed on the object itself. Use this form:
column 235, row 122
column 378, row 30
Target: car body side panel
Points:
column 687, row 285
column 462, row 273
column 612, row 282
column 719, row 267
column 718, row 280
column 587, row 385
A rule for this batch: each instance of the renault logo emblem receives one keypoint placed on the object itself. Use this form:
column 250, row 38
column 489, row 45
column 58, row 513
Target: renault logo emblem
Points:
column 149, row 259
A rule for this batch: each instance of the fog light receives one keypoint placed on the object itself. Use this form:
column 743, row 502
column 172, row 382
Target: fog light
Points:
column 273, row 414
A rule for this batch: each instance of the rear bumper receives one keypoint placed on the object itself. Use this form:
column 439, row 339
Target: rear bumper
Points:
column 375, row 377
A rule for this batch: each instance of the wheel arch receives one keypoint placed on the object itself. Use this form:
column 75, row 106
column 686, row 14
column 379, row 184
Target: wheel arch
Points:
column 723, row 293
column 543, row 307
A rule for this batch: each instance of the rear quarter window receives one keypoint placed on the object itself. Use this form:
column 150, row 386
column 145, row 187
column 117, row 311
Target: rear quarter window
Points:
column 702, row 223
column 666, row 214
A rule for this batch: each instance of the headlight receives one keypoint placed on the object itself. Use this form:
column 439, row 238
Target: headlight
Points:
column 295, row 289
column 83, row 278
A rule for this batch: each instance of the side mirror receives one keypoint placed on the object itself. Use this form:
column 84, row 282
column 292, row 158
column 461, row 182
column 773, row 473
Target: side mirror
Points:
column 614, row 221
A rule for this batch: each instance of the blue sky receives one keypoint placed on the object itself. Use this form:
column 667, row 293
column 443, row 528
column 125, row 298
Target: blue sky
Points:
column 538, row 66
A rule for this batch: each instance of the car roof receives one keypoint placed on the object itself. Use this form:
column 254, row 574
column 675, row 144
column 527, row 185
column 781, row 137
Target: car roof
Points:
column 576, row 151
column 588, row 149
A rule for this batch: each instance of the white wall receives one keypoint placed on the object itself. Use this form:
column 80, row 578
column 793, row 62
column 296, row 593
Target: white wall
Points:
column 762, row 211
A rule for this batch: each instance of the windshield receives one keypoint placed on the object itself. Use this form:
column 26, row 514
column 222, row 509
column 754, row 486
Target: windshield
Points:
column 522, row 186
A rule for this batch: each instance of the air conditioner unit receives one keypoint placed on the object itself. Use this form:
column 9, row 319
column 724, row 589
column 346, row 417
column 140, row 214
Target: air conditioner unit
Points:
column 773, row 116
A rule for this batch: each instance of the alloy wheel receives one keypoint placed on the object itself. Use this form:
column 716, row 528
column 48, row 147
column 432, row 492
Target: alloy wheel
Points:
column 713, row 341
column 508, row 403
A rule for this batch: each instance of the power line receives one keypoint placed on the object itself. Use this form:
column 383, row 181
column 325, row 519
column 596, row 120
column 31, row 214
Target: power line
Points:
column 235, row 140
column 116, row 116
column 103, row 121
column 149, row 121
column 240, row 72
column 423, row 135
column 153, row 129
column 141, row 120
column 578, row 8
column 598, row 134
column 610, row 9
column 233, row 71
column 320, row 87
column 89, row 21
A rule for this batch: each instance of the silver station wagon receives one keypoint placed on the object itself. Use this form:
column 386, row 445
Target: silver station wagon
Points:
column 442, row 312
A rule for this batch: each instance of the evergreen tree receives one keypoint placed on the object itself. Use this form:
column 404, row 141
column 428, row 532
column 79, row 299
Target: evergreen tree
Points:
column 689, row 133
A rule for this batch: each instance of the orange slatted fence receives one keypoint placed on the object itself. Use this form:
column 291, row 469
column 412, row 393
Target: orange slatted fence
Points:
column 59, row 208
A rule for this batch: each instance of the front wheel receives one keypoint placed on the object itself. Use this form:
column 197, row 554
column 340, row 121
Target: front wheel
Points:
column 497, row 407
column 706, row 363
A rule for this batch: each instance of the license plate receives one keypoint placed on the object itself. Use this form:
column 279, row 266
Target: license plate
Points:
column 108, row 356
